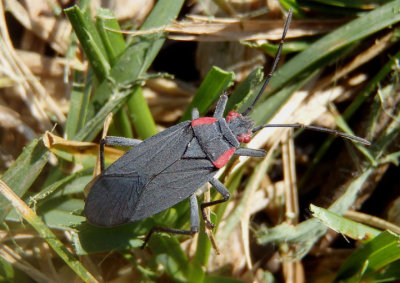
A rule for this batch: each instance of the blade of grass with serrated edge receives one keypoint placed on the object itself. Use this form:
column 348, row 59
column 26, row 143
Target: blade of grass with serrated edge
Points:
column 130, row 67
column 40, row 227
column 215, row 82
column 314, row 57
column 24, row 171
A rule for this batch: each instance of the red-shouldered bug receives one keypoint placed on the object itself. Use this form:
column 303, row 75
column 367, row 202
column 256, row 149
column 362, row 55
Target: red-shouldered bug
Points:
column 170, row 166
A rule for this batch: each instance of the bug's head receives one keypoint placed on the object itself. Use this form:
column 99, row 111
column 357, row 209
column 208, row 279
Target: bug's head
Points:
column 240, row 125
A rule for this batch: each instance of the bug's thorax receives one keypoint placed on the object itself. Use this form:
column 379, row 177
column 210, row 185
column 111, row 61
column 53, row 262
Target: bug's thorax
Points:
column 215, row 139
column 219, row 138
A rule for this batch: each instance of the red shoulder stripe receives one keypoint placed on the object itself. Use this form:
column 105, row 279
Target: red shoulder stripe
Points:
column 224, row 158
column 203, row 121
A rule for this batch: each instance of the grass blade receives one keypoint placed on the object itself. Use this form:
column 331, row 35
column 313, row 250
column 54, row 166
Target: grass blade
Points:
column 37, row 223
column 129, row 67
column 215, row 82
column 90, row 41
column 24, row 171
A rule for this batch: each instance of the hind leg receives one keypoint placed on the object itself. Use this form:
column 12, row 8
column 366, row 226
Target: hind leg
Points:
column 194, row 223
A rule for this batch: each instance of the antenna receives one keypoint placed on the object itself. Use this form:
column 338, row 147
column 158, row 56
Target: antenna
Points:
column 276, row 60
column 316, row 129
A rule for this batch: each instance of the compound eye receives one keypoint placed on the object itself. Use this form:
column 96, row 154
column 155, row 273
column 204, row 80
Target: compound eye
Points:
column 245, row 138
column 232, row 115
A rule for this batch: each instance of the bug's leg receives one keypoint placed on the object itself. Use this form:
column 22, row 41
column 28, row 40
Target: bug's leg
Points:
column 250, row 152
column 115, row 141
column 194, row 223
column 195, row 113
column 219, row 110
column 223, row 191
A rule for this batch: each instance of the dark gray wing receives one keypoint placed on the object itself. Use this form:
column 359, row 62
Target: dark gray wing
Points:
column 156, row 153
column 115, row 193
column 112, row 199
column 173, row 185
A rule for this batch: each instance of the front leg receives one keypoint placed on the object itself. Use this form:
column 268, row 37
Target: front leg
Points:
column 195, row 113
column 115, row 141
column 221, row 104
column 250, row 152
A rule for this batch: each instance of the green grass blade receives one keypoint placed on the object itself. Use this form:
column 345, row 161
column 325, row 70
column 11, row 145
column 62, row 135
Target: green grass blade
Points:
column 40, row 227
column 134, row 62
column 248, row 88
column 129, row 67
column 113, row 42
column 95, row 124
column 51, row 189
column 24, row 172
column 360, row 4
column 215, row 82
column 92, row 239
column 76, row 104
column 369, row 260
column 90, row 41
column 168, row 253
column 120, row 124
column 138, row 113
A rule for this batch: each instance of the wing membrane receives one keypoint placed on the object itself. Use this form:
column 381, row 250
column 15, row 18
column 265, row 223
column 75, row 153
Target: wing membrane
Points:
column 173, row 185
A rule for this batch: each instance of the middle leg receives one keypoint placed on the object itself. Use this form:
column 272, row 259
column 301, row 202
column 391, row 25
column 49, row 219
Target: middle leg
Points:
column 223, row 191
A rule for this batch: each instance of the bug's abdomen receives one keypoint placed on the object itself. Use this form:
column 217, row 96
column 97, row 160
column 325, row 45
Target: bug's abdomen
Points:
column 212, row 141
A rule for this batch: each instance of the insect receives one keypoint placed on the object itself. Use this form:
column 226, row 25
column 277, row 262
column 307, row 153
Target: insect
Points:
column 170, row 166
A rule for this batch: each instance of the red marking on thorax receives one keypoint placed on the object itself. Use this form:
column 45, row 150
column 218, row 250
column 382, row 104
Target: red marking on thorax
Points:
column 224, row 158
column 203, row 121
